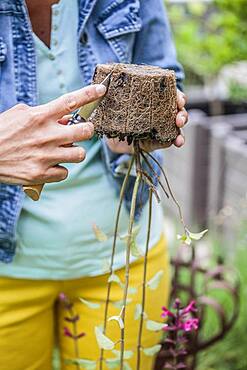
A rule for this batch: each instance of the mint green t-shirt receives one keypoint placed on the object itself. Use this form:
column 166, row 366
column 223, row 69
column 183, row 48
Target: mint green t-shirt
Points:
column 55, row 235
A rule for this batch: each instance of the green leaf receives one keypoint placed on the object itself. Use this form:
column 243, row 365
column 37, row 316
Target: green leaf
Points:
column 115, row 279
column 100, row 235
column 103, row 341
column 127, row 354
column 187, row 238
column 132, row 290
column 83, row 363
column 153, row 283
column 138, row 311
column 197, row 236
column 151, row 351
column 154, row 325
column 118, row 319
column 135, row 232
column 184, row 238
column 134, row 249
column 113, row 363
column 119, row 304
column 126, row 366
column 94, row 306
column 105, row 266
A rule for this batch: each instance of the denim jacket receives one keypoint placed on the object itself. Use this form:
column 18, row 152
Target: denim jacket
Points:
column 127, row 31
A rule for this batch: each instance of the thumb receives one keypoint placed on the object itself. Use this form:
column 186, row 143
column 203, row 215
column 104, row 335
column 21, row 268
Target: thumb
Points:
column 67, row 103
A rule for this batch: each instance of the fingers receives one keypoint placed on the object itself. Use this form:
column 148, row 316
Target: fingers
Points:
column 182, row 118
column 181, row 99
column 73, row 154
column 75, row 133
column 180, row 141
column 56, row 174
column 65, row 119
column 67, row 103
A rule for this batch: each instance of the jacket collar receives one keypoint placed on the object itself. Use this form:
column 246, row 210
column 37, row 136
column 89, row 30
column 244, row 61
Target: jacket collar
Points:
column 86, row 8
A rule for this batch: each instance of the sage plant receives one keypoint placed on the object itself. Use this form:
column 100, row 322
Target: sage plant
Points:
column 71, row 318
column 180, row 322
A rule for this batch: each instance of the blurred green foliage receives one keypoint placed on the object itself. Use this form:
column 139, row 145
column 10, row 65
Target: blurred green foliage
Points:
column 209, row 35
column 230, row 353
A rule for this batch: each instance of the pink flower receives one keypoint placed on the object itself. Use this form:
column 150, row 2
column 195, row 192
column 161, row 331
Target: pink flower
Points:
column 191, row 324
column 177, row 303
column 190, row 308
column 72, row 319
column 67, row 332
column 62, row 297
column 65, row 301
column 170, row 327
column 165, row 327
column 80, row 335
column 166, row 313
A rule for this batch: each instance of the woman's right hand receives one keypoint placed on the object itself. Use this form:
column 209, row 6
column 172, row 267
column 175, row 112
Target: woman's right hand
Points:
column 33, row 143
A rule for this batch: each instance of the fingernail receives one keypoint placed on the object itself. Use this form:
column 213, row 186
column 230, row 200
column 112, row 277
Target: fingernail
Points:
column 182, row 121
column 100, row 89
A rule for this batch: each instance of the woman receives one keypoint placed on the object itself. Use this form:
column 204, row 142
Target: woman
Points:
column 53, row 48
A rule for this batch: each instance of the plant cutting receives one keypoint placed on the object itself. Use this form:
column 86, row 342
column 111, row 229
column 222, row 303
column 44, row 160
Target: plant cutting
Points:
column 140, row 105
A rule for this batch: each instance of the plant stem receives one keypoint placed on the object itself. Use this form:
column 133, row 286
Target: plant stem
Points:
column 127, row 263
column 154, row 173
column 139, row 346
column 170, row 190
column 121, row 197
column 75, row 336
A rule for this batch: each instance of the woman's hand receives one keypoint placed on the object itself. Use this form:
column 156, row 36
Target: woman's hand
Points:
column 33, row 144
column 122, row 147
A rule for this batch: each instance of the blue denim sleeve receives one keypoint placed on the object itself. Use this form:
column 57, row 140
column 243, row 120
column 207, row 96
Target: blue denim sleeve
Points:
column 154, row 45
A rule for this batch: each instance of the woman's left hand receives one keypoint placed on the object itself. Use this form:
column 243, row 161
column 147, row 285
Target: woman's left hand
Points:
column 122, row 147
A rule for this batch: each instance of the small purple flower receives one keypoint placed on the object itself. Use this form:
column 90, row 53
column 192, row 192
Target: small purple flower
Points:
column 62, row 297
column 170, row 328
column 165, row 327
column 72, row 319
column 180, row 322
column 66, row 302
column 190, row 308
column 191, row 324
column 166, row 313
column 67, row 332
column 80, row 335
column 177, row 303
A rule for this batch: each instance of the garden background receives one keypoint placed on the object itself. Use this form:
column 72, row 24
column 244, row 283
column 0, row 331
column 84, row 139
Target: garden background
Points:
column 209, row 175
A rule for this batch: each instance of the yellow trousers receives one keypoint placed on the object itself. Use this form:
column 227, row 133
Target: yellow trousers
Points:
column 32, row 318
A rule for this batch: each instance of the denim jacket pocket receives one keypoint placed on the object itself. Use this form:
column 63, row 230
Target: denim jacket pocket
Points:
column 3, row 52
column 118, row 24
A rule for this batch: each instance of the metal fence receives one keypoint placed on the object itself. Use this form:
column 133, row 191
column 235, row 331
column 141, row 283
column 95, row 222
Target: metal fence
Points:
column 209, row 175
